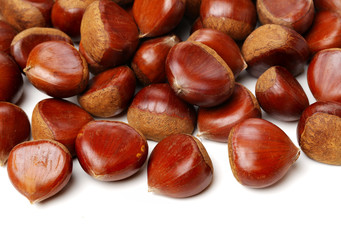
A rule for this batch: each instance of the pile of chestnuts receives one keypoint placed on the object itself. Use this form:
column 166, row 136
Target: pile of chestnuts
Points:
column 125, row 57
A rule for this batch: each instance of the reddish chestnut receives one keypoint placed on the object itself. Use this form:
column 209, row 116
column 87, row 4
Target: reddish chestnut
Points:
column 179, row 166
column 11, row 81
column 275, row 45
column 58, row 120
column 197, row 25
column 280, row 94
column 157, row 112
column 198, row 75
column 236, row 18
column 58, row 69
column 157, row 17
column 39, row 169
column 318, row 132
column 7, row 33
column 149, row 60
column 109, row 93
column 192, row 10
column 216, row 123
column 260, row 153
column 329, row 5
column 110, row 150
column 14, row 128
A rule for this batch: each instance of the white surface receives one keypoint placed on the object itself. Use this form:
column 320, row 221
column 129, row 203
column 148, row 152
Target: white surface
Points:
column 305, row 204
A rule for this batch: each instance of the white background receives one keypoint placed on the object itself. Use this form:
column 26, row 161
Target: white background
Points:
column 305, row 204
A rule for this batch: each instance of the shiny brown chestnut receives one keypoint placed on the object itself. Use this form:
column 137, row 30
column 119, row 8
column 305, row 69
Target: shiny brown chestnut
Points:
column 157, row 113
column 329, row 5
column 216, row 123
column 23, row 14
column 109, row 93
column 111, row 150
column 11, row 81
column 325, row 32
column 318, row 132
column 198, row 75
column 25, row 41
column 324, row 77
column 192, row 10
column 224, row 45
column 14, row 129
column 197, row 25
column 157, row 17
column 39, row 169
column 275, row 45
column 7, row 33
column 179, row 166
column 149, row 60
column 236, row 18
column 57, row 69
column 109, row 35
column 295, row 14
column 260, row 153
column 280, row 94
column 58, row 120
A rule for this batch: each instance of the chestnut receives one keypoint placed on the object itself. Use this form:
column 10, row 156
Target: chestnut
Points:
column 57, row 69
column 197, row 25
column 111, row 150
column 295, row 14
column 236, row 18
column 325, row 32
column 318, row 132
column 179, row 166
column 157, row 113
column 58, row 120
column 224, row 45
column 275, row 45
column 7, row 33
column 11, row 81
column 280, row 94
column 260, row 153
column 192, row 10
column 39, row 169
column 216, row 123
column 149, row 60
column 14, row 129
column 157, row 17
column 23, row 14
column 109, row 35
column 109, row 93
column 324, row 77
column 329, row 5
column 25, row 41
column 198, row 75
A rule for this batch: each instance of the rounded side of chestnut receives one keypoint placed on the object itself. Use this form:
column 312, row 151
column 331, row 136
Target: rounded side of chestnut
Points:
column 179, row 166
column 329, row 5
column 7, row 33
column 111, row 150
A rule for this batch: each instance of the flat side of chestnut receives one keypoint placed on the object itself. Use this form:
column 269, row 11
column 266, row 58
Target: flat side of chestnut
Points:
column 39, row 169
column 7, row 33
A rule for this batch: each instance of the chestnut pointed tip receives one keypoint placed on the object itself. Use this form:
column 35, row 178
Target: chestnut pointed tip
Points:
column 26, row 69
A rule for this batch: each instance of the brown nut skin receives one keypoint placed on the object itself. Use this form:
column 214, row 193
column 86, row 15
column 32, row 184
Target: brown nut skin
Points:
column 275, row 45
column 7, row 33
column 58, row 120
column 25, row 41
column 198, row 75
column 224, row 45
column 157, row 113
column 57, row 69
column 236, row 18
column 111, row 150
column 318, row 132
column 14, row 129
column 295, row 14
column 109, row 93
column 325, row 32
column 157, row 17
column 192, row 10
column 262, row 158
column 109, row 35
column 23, row 14
column 11, row 81
column 324, row 77
column 150, row 58
column 179, row 166
column 329, row 5
column 216, row 123
column 197, row 25
column 280, row 94
column 39, row 169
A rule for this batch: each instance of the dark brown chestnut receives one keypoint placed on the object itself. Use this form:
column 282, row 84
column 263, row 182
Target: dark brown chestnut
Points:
column 7, row 33
column 329, row 5
column 197, row 25
column 192, row 10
